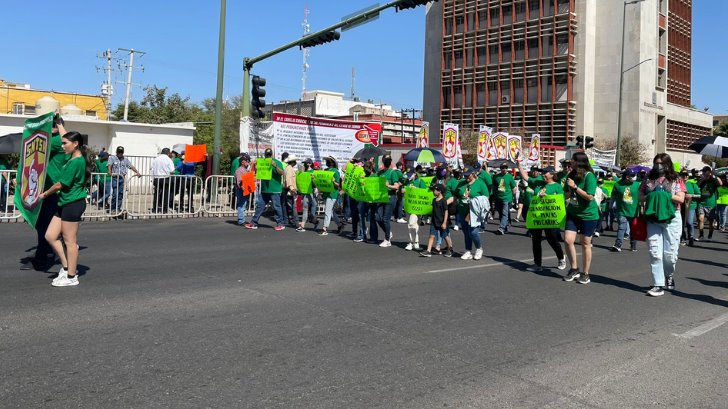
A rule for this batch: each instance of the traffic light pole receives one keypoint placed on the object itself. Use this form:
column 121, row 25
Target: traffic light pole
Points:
column 218, row 95
column 353, row 20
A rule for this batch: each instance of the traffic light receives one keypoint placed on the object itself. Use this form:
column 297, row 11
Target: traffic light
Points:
column 580, row 141
column 410, row 4
column 322, row 38
column 258, row 101
column 588, row 142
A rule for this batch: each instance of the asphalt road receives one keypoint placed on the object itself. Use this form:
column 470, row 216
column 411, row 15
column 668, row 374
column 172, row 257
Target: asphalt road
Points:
column 201, row 313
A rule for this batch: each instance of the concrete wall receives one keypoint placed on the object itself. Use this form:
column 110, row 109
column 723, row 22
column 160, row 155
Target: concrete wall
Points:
column 433, row 58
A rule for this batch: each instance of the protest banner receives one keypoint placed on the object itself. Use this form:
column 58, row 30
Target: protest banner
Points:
column 32, row 166
column 604, row 159
column 722, row 195
column 546, row 212
column 483, row 142
column 356, row 191
column 304, row 184
column 195, row 153
column 351, row 178
column 514, row 147
column 418, row 201
column 423, row 139
column 500, row 142
column 427, row 179
column 374, row 190
column 450, row 141
column 316, row 138
column 324, row 180
column 609, row 185
column 264, row 168
column 534, row 151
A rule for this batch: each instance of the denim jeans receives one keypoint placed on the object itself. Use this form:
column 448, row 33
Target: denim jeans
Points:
column 369, row 210
column 471, row 235
column 505, row 214
column 263, row 199
column 354, row 214
column 290, row 208
column 384, row 215
column 663, row 240
column 117, row 197
column 241, row 204
column 690, row 224
column 309, row 204
column 722, row 211
column 329, row 213
column 362, row 210
column 624, row 223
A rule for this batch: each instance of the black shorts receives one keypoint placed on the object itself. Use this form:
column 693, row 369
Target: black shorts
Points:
column 72, row 212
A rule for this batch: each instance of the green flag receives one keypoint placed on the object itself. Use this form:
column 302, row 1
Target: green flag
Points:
column 32, row 166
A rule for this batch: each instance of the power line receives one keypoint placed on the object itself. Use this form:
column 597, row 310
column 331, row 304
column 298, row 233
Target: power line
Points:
column 130, row 69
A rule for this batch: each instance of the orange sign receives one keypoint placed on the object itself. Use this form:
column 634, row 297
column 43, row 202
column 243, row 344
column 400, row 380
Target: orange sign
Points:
column 195, row 153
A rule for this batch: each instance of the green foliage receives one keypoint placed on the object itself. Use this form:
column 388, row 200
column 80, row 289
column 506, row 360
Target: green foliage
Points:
column 721, row 129
column 719, row 162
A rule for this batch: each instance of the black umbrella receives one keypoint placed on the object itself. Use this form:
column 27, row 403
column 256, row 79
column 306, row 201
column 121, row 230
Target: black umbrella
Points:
column 369, row 152
column 498, row 162
column 10, row 143
column 711, row 146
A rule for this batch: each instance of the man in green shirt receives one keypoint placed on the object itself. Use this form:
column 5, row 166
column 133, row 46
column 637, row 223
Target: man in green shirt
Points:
column 102, row 179
column 625, row 194
column 708, row 185
column 270, row 191
column 505, row 186
column 690, row 207
column 331, row 197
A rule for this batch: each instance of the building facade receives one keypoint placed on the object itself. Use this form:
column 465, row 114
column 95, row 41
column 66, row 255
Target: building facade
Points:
column 553, row 67
column 21, row 99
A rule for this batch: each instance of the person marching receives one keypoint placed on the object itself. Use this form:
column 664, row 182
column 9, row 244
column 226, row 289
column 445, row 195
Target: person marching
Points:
column 582, row 215
column 71, row 189
column 244, row 186
column 542, row 185
column 439, row 224
column 331, row 197
column 472, row 206
column 270, row 191
column 662, row 193
column 308, row 198
column 624, row 196
column 290, row 190
column 505, row 188
column 413, row 220
column 708, row 185
column 385, row 210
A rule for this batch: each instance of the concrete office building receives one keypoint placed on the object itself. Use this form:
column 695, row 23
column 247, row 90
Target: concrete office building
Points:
column 553, row 67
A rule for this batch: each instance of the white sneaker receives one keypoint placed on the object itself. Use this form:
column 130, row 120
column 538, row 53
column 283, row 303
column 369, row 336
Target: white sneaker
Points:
column 596, row 234
column 401, row 220
column 478, row 254
column 61, row 274
column 385, row 243
column 456, row 227
column 466, row 256
column 417, row 247
column 409, row 247
column 562, row 264
column 391, row 236
column 65, row 281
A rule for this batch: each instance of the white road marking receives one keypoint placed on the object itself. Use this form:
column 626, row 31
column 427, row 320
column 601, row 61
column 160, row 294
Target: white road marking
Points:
column 702, row 329
column 444, row 270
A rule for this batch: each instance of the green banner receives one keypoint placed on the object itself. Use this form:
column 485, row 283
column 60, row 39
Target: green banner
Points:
column 418, row 201
column 427, row 180
column 264, row 168
column 32, row 166
column 722, row 195
column 609, row 185
column 324, row 180
column 304, row 183
column 546, row 212
column 357, row 191
column 350, row 180
column 375, row 189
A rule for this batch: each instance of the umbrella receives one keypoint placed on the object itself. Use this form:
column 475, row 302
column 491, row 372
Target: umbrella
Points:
column 720, row 171
column 179, row 148
column 369, row 152
column 425, row 155
column 10, row 143
column 711, row 146
column 498, row 162
column 639, row 168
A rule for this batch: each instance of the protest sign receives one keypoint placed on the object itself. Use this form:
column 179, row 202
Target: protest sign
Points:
column 304, row 183
column 350, row 180
column 546, row 212
column 427, row 180
column 375, row 189
column 195, row 153
column 418, row 201
column 264, row 168
column 609, row 185
column 324, row 180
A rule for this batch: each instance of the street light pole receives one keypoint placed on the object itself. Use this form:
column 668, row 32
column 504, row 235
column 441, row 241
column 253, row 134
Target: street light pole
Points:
column 218, row 95
column 621, row 82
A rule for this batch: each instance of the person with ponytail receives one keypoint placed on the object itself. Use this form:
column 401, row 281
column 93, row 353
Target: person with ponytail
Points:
column 582, row 215
column 71, row 190
column 662, row 193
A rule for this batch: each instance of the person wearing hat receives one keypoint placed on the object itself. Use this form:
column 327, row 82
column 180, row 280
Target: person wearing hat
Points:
column 708, row 185
column 270, row 191
column 244, row 186
column 385, row 210
column 331, row 197
column 102, row 180
column 161, row 169
column 118, row 166
column 505, row 187
column 290, row 191
column 472, row 206
column 542, row 185
column 625, row 195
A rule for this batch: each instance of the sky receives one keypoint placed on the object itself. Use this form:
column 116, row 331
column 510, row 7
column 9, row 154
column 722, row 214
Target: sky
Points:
column 181, row 48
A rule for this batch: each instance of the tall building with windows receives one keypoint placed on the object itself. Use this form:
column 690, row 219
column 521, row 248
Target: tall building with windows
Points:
column 553, row 67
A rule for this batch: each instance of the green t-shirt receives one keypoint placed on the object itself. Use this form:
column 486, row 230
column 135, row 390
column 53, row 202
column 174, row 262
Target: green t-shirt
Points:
column 462, row 203
column 452, row 187
column 605, row 201
column 393, row 176
column 487, row 179
column 334, row 194
column 478, row 188
column 234, row 165
column 626, row 195
column 273, row 185
column 73, row 181
column 708, row 194
column 551, row 189
column 176, row 161
column 580, row 207
column 691, row 188
column 419, row 183
column 504, row 184
column 102, row 167
column 534, row 185
column 56, row 159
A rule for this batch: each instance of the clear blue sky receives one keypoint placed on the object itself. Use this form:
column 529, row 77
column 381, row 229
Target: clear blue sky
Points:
column 181, row 46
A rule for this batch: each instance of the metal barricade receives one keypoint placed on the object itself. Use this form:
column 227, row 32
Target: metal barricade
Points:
column 7, row 207
column 169, row 196
column 106, row 196
column 220, row 196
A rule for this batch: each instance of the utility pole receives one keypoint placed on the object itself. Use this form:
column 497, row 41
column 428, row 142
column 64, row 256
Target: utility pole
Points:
column 218, row 95
column 107, row 89
column 306, row 31
column 130, row 68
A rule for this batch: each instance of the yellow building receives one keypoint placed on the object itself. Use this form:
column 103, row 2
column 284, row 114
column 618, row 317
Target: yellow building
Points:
column 20, row 99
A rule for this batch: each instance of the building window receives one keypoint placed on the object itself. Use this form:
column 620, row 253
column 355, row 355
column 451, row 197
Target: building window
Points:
column 480, row 94
column 533, row 9
column 482, row 56
column 446, row 97
column 482, row 19
column 561, row 87
column 468, row 95
column 90, row 113
column 562, row 43
column 520, row 47
column 29, row 110
column 448, row 27
column 18, row 108
column 505, row 92
column 548, row 46
column 471, row 22
column 459, row 59
column 494, row 17
column 548, row 8
column 448, row 61
column 506, row 51
column 518, row 91
column 532, row 90
column 492, row 93
column 533, row 48
column 546, row 83
column 458, row 97
column 459, row 24
column 507, row 14
column 563, row 6
column 521, row 11
column 493, row 54
column 470, row 60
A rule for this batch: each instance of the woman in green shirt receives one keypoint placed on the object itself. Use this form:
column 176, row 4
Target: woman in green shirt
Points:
column 71, row 188
column 582, row 215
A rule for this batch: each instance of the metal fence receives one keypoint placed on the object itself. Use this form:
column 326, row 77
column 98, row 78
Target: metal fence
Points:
column 7, row 208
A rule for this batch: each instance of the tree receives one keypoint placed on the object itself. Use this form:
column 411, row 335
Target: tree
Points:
column 631, row 150
column 721, row 129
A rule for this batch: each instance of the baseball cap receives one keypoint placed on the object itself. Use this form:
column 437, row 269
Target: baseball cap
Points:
column 707, row 169
column 629, row 173
column 468, row 170
column 535, row 168
column 439, row 187
column 268, row 152
column 245, row 156
column 548, row 169
column 119, row 149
